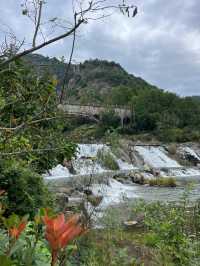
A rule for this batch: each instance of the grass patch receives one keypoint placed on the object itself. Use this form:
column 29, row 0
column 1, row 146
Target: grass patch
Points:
column 115, row 247
column 163, row 182
column 107, row 160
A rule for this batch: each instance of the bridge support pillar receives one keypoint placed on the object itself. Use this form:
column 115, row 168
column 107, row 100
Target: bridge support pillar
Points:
column 122, row 121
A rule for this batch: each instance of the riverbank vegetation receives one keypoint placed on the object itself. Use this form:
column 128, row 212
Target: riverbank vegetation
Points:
column 157, row 234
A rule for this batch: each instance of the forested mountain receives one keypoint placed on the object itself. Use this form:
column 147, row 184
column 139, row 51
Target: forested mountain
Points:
column 171, row 117
column 92, row 81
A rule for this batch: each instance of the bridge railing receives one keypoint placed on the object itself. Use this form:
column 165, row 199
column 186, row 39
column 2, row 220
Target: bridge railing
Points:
column 99, row 105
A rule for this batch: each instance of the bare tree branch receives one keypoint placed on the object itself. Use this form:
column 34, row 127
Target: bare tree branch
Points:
column 35, row 14
column 38, row 47
column 69, row 64
column 38, row 23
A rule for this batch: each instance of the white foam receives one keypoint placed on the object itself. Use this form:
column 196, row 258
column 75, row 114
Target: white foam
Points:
column 113, row 193
column 191, row 152
column 156, row 157
column 189, row 172
column 89, row 150
column 87, row 166
column 125, row 165
column 58, row 172
column 86, row 162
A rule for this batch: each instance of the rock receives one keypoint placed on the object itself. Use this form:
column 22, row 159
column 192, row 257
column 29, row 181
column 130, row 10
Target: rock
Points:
column 79, row 189
column 77, row 194
column 88, row 192
column 61, row 200
column 95, row 200
column 75, row 200
column 137, row 222
column 121, row 180
column 65, row 190
column 74, row 204
column 138, row 178
column 68, row 164
column 121, row 176
column 155, row 172
column 147, row 168
column 130, row 224
column 62, row 197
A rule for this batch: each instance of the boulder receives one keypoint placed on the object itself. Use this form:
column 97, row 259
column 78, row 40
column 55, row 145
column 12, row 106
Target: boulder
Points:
column 88, row 192
column 61, row 200
column 95, row 200
column 130, row 224
column 68, row 164
column 121, row 176
column 139, row 220
column 65, row 190
column 138, row 178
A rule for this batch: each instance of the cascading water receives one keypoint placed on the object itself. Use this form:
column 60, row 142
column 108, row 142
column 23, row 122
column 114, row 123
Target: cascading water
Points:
column 87, row 162
column 156, row 157
column 113, row 193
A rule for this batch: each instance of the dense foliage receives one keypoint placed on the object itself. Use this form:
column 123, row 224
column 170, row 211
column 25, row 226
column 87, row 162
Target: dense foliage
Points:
column 31, row 135
column 22, row 242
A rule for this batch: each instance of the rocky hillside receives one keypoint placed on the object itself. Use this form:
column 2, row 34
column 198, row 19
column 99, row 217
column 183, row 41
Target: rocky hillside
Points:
column 90, row 81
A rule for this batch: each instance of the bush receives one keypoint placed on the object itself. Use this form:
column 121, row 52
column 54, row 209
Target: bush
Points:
column 171, row 135
column 26, row 191
column 109, row 119
column 107, row 160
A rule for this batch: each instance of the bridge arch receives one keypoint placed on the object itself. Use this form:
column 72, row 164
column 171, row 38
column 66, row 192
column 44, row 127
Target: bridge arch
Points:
column 124, row 113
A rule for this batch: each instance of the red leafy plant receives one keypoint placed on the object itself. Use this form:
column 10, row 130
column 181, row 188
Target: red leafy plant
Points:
column 15, row 226
column 15, row 231
column 60, row 232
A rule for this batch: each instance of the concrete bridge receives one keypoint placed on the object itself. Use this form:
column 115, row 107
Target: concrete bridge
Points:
column 124, row 113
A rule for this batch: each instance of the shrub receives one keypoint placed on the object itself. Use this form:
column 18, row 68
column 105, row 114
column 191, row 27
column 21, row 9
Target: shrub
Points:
column 26, row 191
column 107, row 160
column 171, row 135
column 168, row 233
column 109, row 119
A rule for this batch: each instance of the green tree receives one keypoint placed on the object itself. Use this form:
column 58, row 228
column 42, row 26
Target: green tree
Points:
column 31, row 134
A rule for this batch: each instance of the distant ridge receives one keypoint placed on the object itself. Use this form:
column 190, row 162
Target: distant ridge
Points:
column 91, row 77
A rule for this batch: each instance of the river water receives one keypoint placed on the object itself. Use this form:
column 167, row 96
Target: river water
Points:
column 114, row 192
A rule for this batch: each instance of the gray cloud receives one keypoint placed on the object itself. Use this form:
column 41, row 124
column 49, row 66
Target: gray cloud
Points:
column 162, row 44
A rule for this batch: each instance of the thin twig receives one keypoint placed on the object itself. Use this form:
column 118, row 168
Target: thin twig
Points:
column 33, row 49
column 38, row 23
column 69, row 64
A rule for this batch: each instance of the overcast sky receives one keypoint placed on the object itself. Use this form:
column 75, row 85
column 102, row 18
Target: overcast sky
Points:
column 161, row 44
